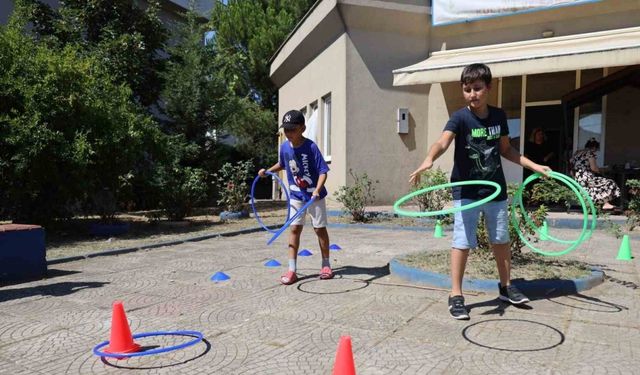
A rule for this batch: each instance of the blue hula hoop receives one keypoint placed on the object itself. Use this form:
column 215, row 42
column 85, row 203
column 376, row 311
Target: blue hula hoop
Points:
column 198, row 337
column 286, row 225
column 253, row 201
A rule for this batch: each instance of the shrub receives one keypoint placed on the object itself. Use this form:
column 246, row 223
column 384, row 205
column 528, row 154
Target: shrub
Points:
column 551, row 192
column 633, row 213
column 68, row 131
column 104, row 204
column 437, row 199
column 232, row 183
column 184, row 189
column 355, row 198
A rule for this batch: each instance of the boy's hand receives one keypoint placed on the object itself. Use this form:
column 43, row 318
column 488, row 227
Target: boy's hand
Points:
column 262, row 173
column 414, row 178
column 542, row 169
column 316, row 193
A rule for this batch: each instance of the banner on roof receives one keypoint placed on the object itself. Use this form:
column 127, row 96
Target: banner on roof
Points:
column 453, row 11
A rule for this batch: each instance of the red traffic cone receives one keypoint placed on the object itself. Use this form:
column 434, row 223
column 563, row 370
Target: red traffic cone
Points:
column 121, row 340
column 344, row 358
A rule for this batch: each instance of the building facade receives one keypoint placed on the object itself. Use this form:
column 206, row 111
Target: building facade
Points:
column 357, row 67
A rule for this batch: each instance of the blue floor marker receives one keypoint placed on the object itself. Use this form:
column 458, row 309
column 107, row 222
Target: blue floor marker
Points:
column 220, row 276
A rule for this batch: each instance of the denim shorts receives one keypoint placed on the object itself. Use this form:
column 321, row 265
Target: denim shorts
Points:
column 465, row 223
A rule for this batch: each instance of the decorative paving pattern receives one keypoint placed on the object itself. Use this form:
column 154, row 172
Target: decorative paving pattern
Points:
column 15, row 329
column 401, row 356
column 255, row 325
column 37, row 353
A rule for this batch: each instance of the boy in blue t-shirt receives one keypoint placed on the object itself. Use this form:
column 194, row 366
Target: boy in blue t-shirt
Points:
column 306, row 175
column 481, row 136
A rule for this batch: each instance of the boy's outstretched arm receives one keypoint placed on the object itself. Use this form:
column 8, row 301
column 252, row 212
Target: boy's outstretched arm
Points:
column 511, row 154
column 436, row 149
column 274, row 168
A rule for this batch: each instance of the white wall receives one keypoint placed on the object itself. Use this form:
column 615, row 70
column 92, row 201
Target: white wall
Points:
column 373, row 144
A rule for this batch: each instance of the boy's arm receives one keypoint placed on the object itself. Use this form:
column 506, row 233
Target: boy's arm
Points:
column 321, row 180
column 436, row 149
column 514, row 156
column 274, row 168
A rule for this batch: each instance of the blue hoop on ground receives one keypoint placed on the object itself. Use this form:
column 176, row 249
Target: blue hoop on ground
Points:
column 580, row 193
column 253, row 201
column 399, row 211
column 198, row 335
column 286, row 225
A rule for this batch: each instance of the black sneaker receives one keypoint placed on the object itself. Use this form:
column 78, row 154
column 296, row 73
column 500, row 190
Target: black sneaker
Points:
column 457, row 309
column 511, row 293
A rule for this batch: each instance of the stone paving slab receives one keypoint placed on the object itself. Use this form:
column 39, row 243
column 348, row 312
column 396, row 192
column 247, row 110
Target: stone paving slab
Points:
column 254, row 325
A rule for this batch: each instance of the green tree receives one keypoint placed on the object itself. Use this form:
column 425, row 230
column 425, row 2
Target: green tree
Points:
column 68, row 131
column 198, row 94
column 125, row 37
column 253, row 30
column 248, row 33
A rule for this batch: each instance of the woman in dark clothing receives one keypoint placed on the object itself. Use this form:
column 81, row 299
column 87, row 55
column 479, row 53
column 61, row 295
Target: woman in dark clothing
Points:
column 538, row 149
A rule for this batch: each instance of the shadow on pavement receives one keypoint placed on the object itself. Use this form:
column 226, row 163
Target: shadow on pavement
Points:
column 51, row 290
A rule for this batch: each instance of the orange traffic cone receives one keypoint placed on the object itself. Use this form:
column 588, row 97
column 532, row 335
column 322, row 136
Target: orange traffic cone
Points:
column 121, row 340
column 344, row 358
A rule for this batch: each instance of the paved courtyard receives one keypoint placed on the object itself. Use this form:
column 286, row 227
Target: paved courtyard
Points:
column 254, row 325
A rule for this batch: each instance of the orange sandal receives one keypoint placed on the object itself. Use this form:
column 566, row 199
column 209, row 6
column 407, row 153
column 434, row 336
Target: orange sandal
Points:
column 326, row 273
column 289, row 278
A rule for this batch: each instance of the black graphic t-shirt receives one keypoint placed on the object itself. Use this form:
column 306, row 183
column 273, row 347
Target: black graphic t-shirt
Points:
column 477, row 152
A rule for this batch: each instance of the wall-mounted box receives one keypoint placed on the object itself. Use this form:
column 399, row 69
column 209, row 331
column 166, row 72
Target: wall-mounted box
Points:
column 402, row 120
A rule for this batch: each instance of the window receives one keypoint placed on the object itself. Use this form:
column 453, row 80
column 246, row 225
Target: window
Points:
column 326, row 127
column 209, row 37
column 312, row 123
column 590, row 126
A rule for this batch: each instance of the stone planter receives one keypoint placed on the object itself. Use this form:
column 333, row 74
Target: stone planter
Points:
column 540, row 288
column 22, row 252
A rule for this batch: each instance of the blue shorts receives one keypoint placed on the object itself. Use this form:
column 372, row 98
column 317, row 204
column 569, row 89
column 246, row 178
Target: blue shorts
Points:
column 465, row 223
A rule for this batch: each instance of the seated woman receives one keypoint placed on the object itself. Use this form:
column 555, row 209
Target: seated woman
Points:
column 601, row 190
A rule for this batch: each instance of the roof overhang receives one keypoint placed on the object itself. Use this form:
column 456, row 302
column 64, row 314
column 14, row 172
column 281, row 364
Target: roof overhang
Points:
column 581, row 51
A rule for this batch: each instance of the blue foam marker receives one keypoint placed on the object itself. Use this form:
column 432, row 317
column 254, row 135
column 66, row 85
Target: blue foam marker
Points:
column 334, row 247
column 220, row 276
column 305, row 253
column 273, row 263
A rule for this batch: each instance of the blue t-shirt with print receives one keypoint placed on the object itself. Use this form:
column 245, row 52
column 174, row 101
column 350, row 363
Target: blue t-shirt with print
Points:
column 304, row 165
column 477, row 152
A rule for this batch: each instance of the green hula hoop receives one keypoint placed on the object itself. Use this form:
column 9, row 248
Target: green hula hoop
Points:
column 580, row 193
column 399, row 202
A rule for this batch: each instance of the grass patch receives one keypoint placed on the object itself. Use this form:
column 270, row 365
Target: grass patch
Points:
column 482, row 265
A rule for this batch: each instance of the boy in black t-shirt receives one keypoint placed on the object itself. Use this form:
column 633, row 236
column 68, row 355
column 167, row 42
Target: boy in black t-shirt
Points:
column 481, row 136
